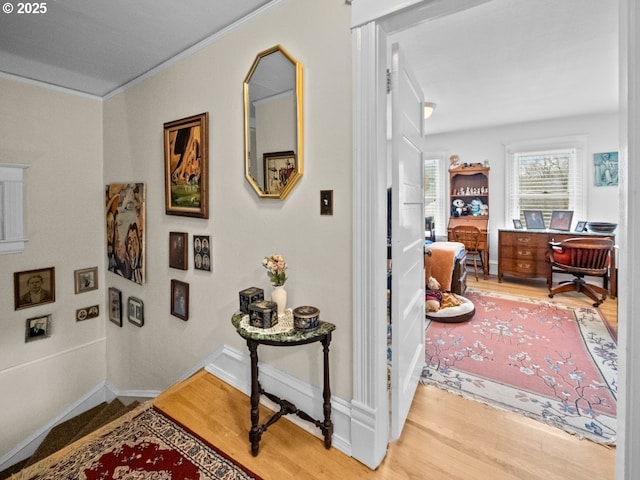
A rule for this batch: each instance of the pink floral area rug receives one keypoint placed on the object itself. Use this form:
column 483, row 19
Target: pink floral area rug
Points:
column 554, row 363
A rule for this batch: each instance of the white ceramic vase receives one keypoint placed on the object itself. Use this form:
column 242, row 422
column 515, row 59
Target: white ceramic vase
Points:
column 279, row 295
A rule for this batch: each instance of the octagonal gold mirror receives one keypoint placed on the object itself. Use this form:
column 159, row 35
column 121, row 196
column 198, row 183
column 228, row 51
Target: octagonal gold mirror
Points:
column 273, row 152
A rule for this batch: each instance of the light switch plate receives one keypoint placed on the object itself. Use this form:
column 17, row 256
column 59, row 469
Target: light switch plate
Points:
column 326, row 202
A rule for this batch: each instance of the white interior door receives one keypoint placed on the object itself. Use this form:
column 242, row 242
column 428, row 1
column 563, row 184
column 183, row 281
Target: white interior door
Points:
column 407, row 284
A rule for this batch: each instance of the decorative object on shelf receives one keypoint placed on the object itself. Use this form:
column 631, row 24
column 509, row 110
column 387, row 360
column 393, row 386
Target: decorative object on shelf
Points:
column 178, row 254
column 601, row 227
column 605, row 169
column 534, row 219
column 34, row 287
column 126, row 230
column 263, row 314
column 581, row 226
column 86, row 279
column 279, row 296
column 249, row 296
column 517, row 224
column 454, row 162
column 306, row 319
column 115, row 306
column 277, row 271
column 37, row 328
column 186, row 166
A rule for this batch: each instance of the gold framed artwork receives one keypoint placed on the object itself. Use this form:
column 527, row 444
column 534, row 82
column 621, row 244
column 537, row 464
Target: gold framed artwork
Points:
column 34, row 287
column 85, row 279
column 126, row 230
column 278, row 168
column 186, row 166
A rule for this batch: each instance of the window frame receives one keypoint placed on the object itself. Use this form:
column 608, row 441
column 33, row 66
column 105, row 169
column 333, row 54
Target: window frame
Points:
column 440, row 217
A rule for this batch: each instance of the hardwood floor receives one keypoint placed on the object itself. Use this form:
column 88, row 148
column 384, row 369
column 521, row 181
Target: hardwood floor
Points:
column 445, row 437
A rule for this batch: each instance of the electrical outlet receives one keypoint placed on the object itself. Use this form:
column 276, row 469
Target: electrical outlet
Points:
column 326, row 202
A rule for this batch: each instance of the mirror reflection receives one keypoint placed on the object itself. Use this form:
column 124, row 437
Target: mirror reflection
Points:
column 273, row 123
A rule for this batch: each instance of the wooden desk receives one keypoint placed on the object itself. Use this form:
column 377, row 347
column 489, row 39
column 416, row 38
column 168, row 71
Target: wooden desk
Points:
column 283, row 335
column 523, row 253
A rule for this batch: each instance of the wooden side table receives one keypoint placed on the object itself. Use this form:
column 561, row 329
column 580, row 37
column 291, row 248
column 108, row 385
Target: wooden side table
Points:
column 283, row 335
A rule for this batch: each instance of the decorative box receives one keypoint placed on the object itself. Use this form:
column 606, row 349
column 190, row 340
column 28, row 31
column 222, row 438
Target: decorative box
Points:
column 306, row 319
column 263, row 314
column 248, row 296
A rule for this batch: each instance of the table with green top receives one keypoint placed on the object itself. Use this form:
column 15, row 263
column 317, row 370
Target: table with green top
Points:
column 283, row 335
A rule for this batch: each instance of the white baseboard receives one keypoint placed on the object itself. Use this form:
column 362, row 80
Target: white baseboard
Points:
column 234, row 368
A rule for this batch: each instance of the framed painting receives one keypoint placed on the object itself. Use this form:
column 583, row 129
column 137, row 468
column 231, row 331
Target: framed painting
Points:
column 135, row 309
column 115, row 306
column 561, row 220
column 178, row 250
column 180, row 299
column 37, row 328
column 278, row 167
column 605, row 167
column 533, row 219
column 86, row 279
column 201, row 252
column 34, row 287
column 126, row 230
column 186, row 166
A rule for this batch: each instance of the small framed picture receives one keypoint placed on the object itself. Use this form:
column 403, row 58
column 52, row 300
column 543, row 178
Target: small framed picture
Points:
column 201, row 252
column 180, row 299
column 533, row 219
column 178, row 250
column 37, row 328
column 86, row 279
column 135, row 309
column 34, row 287
column 581, row 226
column 561, row 220
column 87, row 312
column 517, row 224
column 115, row 306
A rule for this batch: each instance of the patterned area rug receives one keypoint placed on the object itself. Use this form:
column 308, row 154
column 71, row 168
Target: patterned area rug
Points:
column 146, row 445
column 554, row 363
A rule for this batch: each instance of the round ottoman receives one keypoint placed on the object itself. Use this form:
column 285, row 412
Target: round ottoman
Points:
column 457, row 314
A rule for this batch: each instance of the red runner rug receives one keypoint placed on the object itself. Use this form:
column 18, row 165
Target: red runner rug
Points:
column 551, row 362
column 145, row 445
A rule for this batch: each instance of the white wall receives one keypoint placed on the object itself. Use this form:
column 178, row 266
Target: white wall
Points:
column 60, row 137
column 472, row 146
column 243, row 227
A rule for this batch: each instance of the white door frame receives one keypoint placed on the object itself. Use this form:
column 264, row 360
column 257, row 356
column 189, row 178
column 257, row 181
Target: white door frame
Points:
column 370, row 415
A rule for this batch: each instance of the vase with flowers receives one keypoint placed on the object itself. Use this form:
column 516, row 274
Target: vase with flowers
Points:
column 277, row 272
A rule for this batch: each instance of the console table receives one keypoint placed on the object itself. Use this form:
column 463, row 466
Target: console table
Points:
column 523, row 253
column 283, row 335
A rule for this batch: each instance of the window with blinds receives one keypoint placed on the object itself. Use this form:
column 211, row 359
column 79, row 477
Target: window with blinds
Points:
column 545, row 180
column 433, row 191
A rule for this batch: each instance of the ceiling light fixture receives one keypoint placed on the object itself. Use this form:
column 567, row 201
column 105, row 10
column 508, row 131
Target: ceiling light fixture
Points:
column 429, row 107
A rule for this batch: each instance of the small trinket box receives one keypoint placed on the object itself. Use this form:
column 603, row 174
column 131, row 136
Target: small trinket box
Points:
column 306, row 319
column 263, row 314
column 248, row 296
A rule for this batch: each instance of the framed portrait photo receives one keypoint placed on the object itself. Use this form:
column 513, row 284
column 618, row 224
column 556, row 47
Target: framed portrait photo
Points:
column 180, row 299
column 34, row 287
column 581, row 226
column 186, row 166
column 87, row 312
column 115, row 306
column 178, row 250
column 135, row 309
column 561, row 220
column 517, row 224
column 86, row 279
column 202, row 252
column 533, row 219
column 37, row 328
column 278, row 168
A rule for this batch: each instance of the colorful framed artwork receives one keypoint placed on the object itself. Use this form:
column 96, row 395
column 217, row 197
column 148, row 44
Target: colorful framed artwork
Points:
column 115, row 306
column 135, row 309
column 178, row 250
column 581, row 226
column 37, row 328
column 180, row 299
column 87, row 312
column 533, row 219
column 126, row 230
column 186, row 166
column 86, row 279
column 605, row 169
column 34, row 287
column 278, row 168
column 202, row 252
column 561, row 220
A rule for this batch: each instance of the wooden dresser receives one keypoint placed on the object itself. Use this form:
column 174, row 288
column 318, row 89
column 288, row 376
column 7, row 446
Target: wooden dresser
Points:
column 523, row 253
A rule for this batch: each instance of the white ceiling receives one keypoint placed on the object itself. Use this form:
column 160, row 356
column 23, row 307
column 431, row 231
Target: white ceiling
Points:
column 500, row 62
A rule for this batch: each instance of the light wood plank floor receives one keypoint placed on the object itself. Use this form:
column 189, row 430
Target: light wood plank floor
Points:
column 445, row 437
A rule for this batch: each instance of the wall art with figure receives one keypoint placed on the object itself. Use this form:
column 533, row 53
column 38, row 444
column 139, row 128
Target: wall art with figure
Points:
column 605, row 169
column 126, row 230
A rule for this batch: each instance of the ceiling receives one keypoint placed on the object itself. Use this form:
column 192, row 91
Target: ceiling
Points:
column 501, row 62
